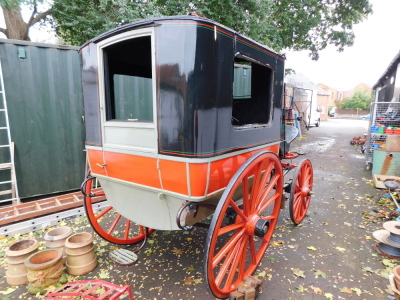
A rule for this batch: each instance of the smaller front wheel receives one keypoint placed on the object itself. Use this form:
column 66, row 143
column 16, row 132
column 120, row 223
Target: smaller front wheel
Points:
column 301, row 191
column 318, row 123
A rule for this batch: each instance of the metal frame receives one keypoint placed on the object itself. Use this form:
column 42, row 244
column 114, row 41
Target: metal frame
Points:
column 378, row 109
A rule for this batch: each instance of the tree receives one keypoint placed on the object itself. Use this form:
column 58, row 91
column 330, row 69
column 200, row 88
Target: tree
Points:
column 16, row 27
column 359, row 100
column 280, row 24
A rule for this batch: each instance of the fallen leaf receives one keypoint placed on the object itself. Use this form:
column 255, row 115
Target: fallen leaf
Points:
column 104, row 274
column 328, row 296
column 177, row 251
column 298, row 272
column 261, row 274
column 388, row 263
column 188, row 280
column 300, row 289
column 312, row 248
column 316, row 290
column 341, row 249
column 347, row 224
column 346, row 290
column 8, row 291
column 368, row 269
column 358, row 291
column 319, row 273
column 198, row 280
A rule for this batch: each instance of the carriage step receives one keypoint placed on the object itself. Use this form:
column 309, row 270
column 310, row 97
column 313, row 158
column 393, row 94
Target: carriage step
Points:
column 247, row 290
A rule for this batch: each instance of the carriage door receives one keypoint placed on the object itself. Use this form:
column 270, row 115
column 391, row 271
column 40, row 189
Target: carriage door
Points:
column 128, row 96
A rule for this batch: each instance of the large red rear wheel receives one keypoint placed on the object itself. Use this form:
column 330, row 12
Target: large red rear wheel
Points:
column 244, row 220
column 110, row 224
column 301, row 191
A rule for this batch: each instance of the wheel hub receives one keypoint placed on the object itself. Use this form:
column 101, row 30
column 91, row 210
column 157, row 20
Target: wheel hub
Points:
column 305, row 192
column 261, row 228
column 257, row 226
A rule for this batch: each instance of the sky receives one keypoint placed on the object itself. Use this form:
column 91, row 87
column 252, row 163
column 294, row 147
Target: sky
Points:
column 376, row 43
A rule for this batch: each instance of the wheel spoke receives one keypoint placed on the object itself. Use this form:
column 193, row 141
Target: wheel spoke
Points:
column 237, row 209
column 127, row 228
column 227, row 262
column 239, row 258
column 253, row 253
column 228, row 245
column 114, row 223
column 245, row 196
column 256, row 183
column 265, row 178
column 103, row 212
column 229, row 228
column 267, row 203
column 267, row 192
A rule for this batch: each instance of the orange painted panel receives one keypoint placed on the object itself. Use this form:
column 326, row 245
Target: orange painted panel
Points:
column 198, row 179
column 173, row 176
column 223, row 170
column 96, row 157
column 143, row 171
column 132, row 168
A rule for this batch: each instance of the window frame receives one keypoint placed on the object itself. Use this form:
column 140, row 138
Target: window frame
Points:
column 102, row 80
column 271, row 92
column 131, row 136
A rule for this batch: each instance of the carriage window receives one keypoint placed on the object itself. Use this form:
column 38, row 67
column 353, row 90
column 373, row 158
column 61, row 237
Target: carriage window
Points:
column 128, row 80
column 252, row 93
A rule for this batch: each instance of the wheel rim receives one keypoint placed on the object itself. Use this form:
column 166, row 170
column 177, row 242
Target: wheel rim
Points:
column 111, row 225
column 234, row 250
column 301, row 191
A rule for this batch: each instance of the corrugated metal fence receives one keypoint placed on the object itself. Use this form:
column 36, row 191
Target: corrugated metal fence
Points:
column 45, row 106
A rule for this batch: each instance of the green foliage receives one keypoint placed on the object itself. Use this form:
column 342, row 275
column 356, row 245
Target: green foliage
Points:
column 280, row 24
column 359, row 100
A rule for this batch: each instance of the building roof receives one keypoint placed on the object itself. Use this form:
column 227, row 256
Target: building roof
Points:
column 392, row 66
column 299, row 80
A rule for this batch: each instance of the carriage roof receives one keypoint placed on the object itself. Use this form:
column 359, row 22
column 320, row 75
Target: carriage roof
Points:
column 158, row 20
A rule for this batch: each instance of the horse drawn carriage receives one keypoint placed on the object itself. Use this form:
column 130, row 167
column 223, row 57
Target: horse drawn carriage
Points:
column 185, row 127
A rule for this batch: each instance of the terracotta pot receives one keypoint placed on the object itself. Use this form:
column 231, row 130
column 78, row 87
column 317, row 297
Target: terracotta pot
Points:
column 396, row 272
column 16, row 254
column 81, row 258
column 44, row 268
column 55, row 238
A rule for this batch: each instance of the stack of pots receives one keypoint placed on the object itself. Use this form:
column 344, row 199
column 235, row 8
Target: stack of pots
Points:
column 16, row 254
column 81, row 258
column 55, row 239
column 44, row 269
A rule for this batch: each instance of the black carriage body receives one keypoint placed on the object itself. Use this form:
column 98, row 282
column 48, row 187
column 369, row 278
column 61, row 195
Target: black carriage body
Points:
column 198, row 113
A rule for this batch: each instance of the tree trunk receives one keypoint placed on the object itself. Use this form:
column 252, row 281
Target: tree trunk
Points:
column 16, row 28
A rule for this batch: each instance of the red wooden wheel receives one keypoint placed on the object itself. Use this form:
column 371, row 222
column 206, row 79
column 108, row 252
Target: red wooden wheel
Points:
column 301, row 191
column 109, row 224
column 244, row 220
